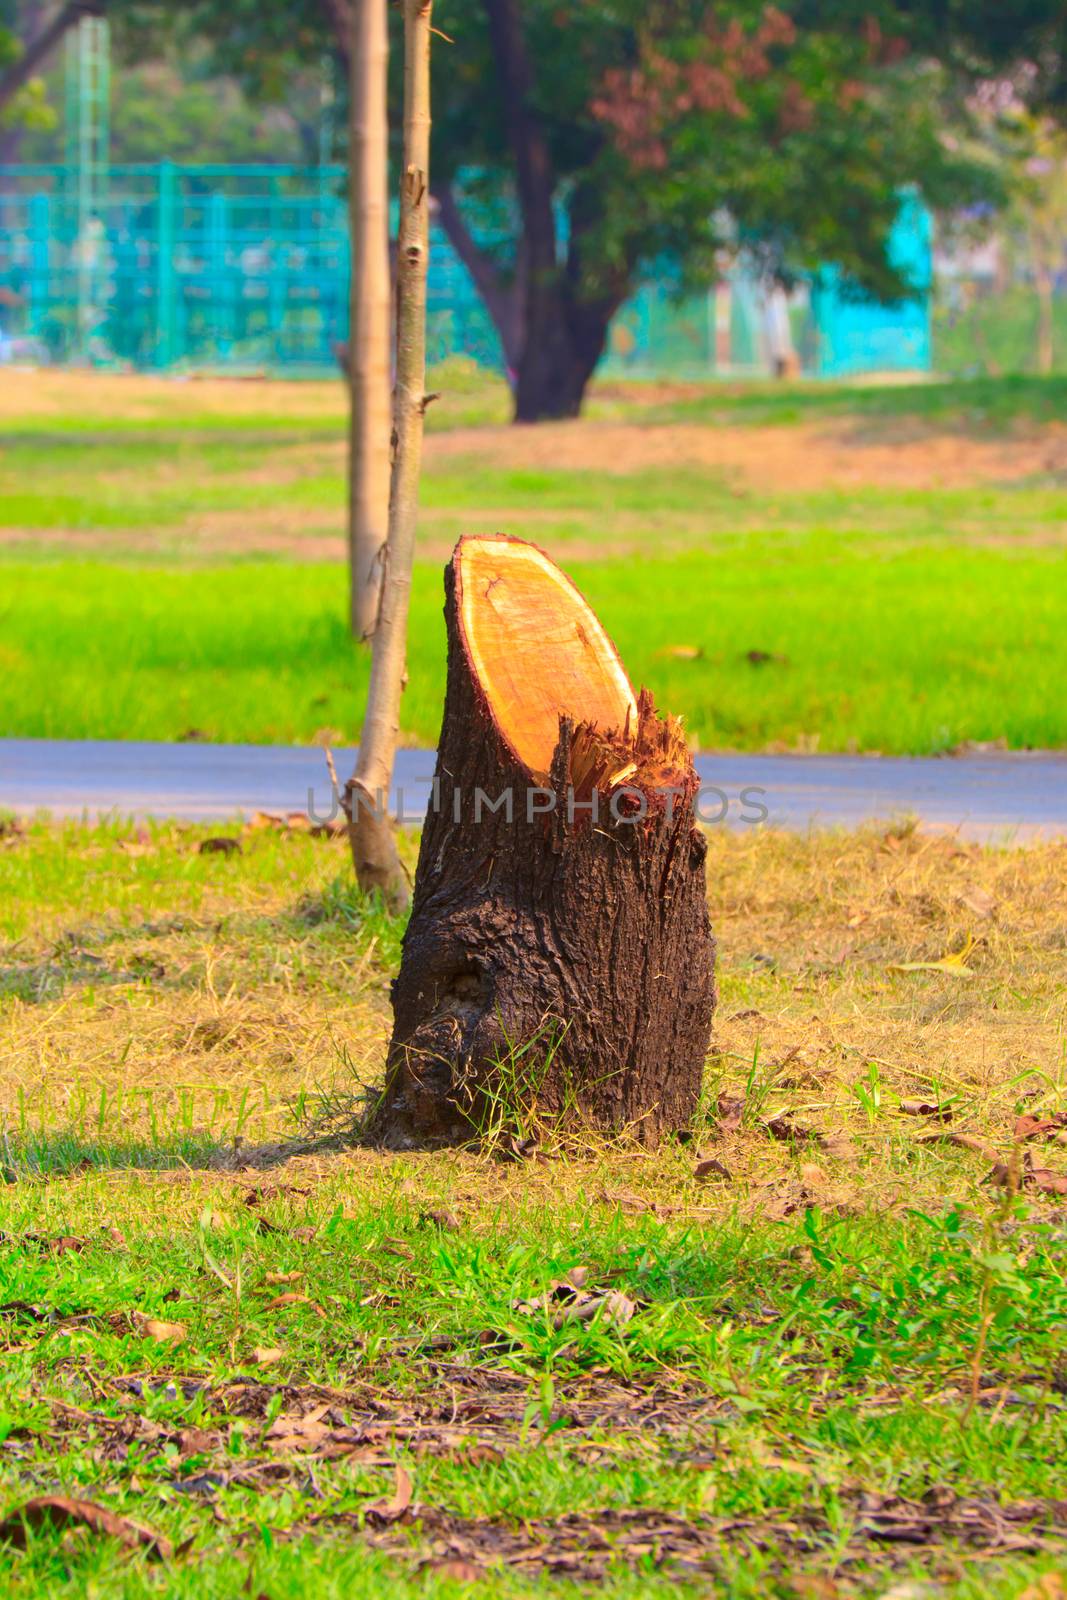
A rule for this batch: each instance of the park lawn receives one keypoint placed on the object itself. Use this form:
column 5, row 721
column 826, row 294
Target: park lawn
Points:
column 837, row 1363
column 807, row 567
column 791, row 641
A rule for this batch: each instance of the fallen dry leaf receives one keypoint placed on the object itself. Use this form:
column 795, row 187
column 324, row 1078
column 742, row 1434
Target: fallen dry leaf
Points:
column 456, row 1568
column 783, row 1127
column 397, row 1247
column 397, row 1503
column 729, row 1109
column 1046, row 1181
column 965, row 1141
column 926, row 1108
column 267, row 1355
column 954, row 964
column 222, row 845
column 1027, row 1127
column 280, row 1302
column 980, row 901
column 154, row 1328
column 60, row 1511
column 447, row 1221
column 289, row 1433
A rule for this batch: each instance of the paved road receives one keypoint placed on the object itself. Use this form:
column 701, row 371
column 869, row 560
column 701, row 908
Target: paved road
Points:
column 989, row 797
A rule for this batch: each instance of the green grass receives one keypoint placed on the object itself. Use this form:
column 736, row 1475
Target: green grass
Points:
column 901, row 649
column 135, row 601
column 183, row 1042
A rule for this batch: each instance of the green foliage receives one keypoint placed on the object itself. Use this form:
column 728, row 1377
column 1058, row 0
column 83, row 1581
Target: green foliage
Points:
column 178, row 110
column 802, row 122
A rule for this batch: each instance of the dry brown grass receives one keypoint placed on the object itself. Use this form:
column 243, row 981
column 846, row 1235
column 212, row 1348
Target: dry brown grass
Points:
column 56, row 392
column 220, row 1006
column 798, row 458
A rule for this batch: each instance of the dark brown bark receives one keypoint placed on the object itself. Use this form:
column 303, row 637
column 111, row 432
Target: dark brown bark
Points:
column 565, row 339
column 551, row 960
column 40, row 47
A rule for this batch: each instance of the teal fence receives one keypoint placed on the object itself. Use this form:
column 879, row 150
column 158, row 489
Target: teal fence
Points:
column 246, row 268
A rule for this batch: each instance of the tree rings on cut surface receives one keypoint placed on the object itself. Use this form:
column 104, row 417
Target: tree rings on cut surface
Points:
column 559, row 961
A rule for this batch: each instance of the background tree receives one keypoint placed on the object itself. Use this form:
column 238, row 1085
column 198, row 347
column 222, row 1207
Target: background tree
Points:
column 602, row 139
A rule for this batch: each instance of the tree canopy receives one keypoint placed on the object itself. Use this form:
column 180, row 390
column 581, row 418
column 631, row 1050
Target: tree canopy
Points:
column 606, row 135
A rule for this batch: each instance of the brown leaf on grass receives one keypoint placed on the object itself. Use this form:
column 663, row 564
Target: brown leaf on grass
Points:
column 267, row 1355
column 613, row 1308
column 513, row 1148
column 61, row 1245
column 389, row 1510
column 259, row 820
column 729, row 1109
column 220, row 845
column 980, row 901
column 712, row 1169
column 812, row 1586
column 60, row 1511
column 396, row 1247
column 267, row 1191
column 197, row 1441
column 926, row 1108
column 154, row 1328
column 1027, row 1127
column 624, row 1200
column 577, row 1303
column 446, row 1220
column 290, row 1433
column 262, row 1224
column 783, row 1127
column 281, row 1301
column 837, row 1145
column 964, row 1141
column 1046, row 1181
column 454, row 1567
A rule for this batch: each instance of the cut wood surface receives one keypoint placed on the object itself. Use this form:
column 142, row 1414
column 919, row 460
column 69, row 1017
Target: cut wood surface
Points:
column 559, row 958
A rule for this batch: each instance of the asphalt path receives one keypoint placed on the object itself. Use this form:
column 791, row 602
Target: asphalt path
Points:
column 990, row 797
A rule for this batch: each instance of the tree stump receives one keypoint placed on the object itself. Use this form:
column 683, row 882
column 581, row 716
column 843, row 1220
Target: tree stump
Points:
column 559, row 956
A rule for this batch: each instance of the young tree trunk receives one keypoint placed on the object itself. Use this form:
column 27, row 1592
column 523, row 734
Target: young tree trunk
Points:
column 370, row 313
column 559, row 958
column 371, row 835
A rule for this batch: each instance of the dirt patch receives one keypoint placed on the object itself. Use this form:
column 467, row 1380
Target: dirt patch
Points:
column 587, row 1547
column 39, row 395
column 798, row 458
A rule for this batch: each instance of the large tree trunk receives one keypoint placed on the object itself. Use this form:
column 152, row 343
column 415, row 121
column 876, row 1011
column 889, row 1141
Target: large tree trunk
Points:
column 562, row 346
column 370, row 313
column 559, row 958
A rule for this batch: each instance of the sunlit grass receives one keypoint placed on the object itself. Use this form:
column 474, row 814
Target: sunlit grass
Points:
column 184, row 1042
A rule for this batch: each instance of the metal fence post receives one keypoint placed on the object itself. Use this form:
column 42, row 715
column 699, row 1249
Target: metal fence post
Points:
column 166, row 280
column 38, row 288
